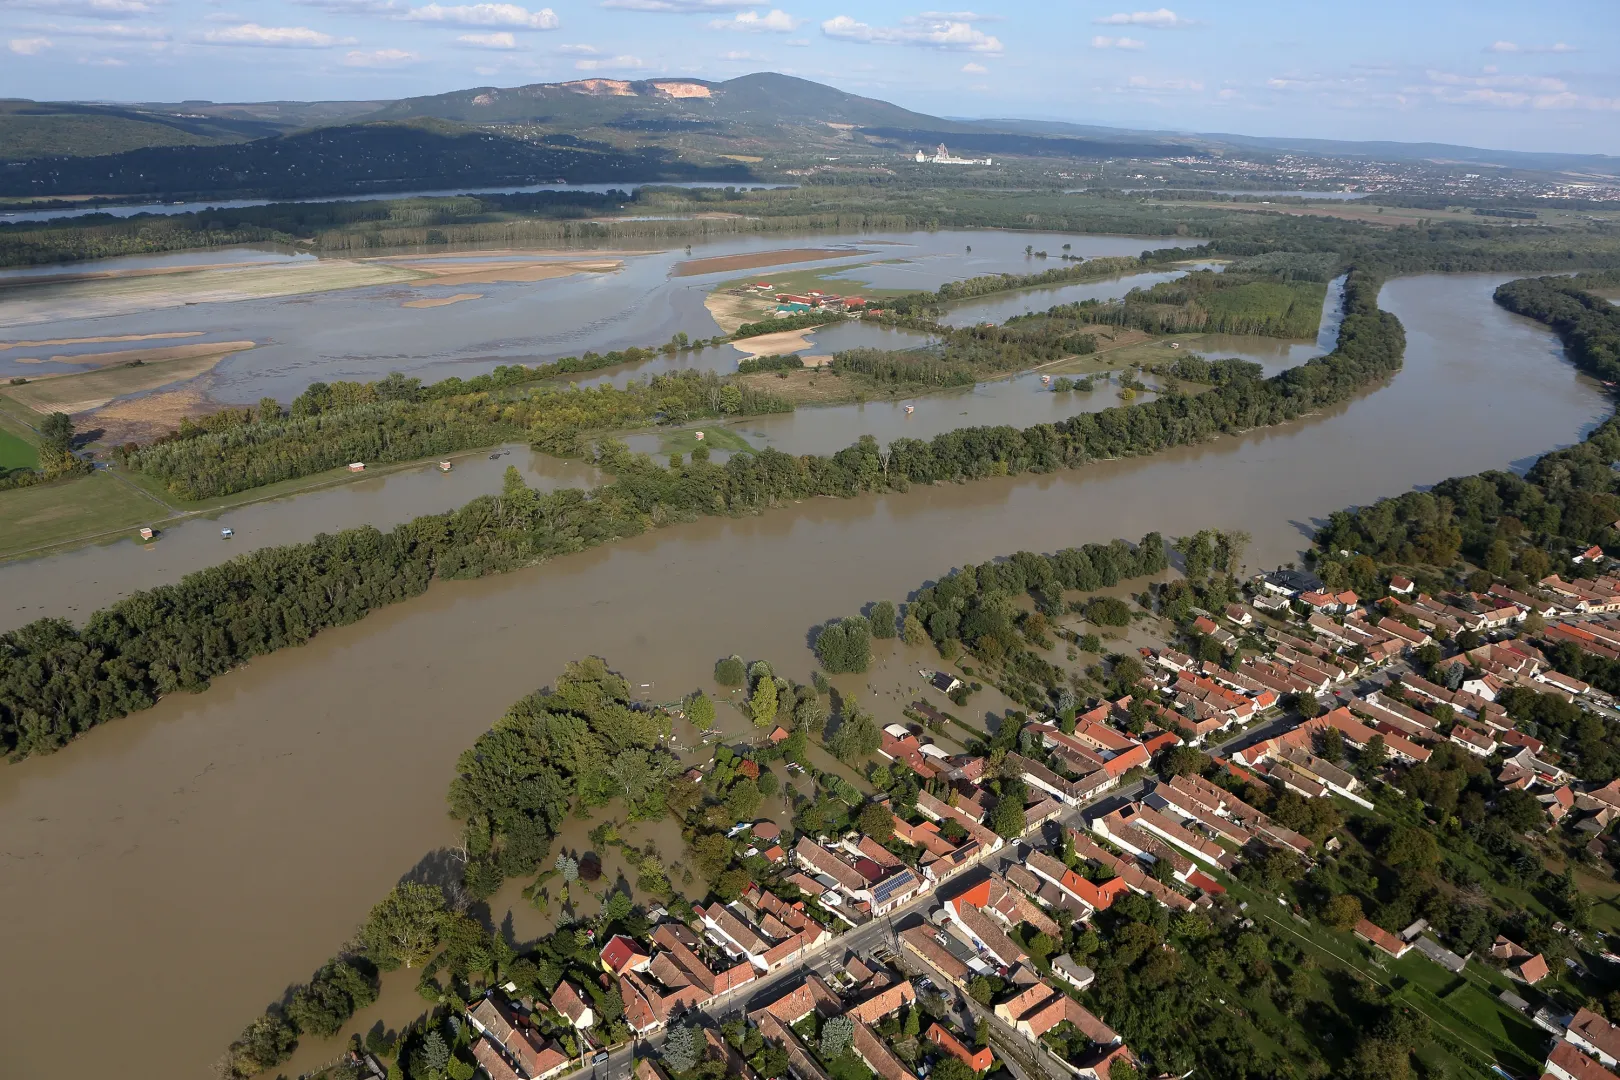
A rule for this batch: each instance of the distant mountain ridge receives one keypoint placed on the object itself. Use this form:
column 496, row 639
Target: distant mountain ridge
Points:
column 760, row 100
column 585, row 130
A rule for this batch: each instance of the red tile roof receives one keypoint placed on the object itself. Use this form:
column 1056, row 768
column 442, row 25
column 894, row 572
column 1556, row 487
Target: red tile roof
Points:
column 977, row 1060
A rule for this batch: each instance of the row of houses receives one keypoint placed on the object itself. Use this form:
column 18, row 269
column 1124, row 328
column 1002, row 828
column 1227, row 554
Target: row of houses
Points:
column 509, row 1047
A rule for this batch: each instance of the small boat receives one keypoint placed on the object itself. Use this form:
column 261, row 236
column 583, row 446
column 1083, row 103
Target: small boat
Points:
column 1046, row 380
column 226, row 534
column 495, row 455
column 910, row 409
column 444, row 466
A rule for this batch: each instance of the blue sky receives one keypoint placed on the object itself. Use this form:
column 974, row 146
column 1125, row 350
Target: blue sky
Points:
column 1514, row 75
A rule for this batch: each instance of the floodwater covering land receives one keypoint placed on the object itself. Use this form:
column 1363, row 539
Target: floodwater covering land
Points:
column 363, row 333
column 71, row 584
column 224, row 843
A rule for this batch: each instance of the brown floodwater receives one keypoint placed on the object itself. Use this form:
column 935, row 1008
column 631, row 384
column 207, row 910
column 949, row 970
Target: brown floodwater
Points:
column 71, row 584
column 197, row 858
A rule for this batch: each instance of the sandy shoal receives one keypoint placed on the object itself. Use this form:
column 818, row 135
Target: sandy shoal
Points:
column 53, row 342
column 752, row 259
column 526, row 271
column 80, row 392
column 779, row 344
column 442, row 301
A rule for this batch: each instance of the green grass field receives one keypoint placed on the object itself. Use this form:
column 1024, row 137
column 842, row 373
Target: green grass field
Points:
column 717, row 438
column 55, row 513
column 16, row 452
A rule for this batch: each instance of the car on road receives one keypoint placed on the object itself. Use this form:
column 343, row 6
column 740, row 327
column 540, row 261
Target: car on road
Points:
column 599, row 1058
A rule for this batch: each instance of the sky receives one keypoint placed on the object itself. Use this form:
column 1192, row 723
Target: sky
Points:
column 1507, row 75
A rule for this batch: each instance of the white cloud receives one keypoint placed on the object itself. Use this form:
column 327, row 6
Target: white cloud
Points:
column 1499, row 91
column 356, row 7
column 736, row 56
column 94, row 9
column 273, row 37
column 378, row 58
column 1515, row 47
column 614, row 63
column 105, row 31
column 798, row 43
column 29, row 46
column 1163, row 19
column 502, row 40
column 679, row 7
column 975, row 69
column 1144, row 82
column 513, row 15
column 927, row 33
column 578, row 50
column 1492, row 80
column 1101, row 42
column 774, row 21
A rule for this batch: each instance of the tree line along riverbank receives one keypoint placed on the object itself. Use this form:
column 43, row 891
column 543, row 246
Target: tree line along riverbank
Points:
column 57, row 681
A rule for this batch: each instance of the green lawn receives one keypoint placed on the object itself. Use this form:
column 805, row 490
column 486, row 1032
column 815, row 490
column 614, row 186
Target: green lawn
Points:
column 15, row 451
column 54, row 513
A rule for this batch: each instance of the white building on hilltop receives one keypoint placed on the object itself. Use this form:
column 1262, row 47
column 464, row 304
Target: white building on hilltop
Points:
column 943, row 156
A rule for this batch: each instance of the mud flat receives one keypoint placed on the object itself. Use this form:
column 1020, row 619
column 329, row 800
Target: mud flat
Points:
column 442, row 301
column 720, row 264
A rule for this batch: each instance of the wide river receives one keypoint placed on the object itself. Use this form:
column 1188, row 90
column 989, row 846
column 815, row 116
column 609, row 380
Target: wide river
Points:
column 189, row 862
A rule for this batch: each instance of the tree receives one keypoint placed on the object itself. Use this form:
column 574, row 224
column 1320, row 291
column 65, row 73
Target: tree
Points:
column 682, row 1048
column 1007, row 819
column 700, row 710
column 836, row 1035
column 742, row 800
column 1408, row 846
column 951, row 1068
column 882, row 619
column 1332, row 744
column 1374, row 754
column 979, row 990
column 857, row 737
column 876, row 821
column 404, row 928
column 762, row 702
column 912, row 631
column 569, row 867
column 263, row 1044
column 730, row 672
column 434, row 1054
column 56, row 434
column 1308, row 706
column 1342, row 912
column 845, row 646
column 1123, row 1069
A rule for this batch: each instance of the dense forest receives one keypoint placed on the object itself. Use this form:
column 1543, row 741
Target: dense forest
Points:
column 665, row 214
column 58, row 681
column 352, row 158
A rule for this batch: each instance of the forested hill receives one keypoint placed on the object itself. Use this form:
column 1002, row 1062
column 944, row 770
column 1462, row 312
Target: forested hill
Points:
column 764, row 100
column 352, row 158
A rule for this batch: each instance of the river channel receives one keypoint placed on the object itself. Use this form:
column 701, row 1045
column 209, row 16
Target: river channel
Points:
column 175, row 870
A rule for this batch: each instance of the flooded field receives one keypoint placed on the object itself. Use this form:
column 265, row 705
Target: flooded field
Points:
column 220, row 846
column 364, row 333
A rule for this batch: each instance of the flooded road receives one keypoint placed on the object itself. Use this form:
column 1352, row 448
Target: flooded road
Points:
column 218, row 847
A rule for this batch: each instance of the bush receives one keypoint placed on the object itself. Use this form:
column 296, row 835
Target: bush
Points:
column 730, row 672
column 1108, row 611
